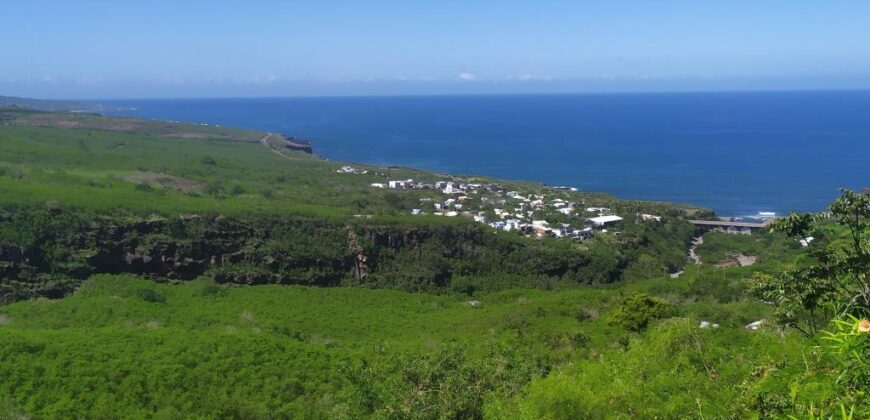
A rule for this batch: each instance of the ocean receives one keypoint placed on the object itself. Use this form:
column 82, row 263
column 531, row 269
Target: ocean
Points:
column 736, row 153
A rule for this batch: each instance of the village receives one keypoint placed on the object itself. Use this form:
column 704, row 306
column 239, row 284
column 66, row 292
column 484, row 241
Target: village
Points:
column 559, row 214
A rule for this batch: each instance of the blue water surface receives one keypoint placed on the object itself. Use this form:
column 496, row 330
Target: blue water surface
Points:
column 737, row 153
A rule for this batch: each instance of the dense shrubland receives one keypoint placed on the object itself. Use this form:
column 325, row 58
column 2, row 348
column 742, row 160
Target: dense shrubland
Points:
column 47, row 251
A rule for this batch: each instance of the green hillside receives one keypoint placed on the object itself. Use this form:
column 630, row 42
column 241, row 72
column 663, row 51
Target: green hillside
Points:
column 84, row 194
column 131, row 348
column 153, row 269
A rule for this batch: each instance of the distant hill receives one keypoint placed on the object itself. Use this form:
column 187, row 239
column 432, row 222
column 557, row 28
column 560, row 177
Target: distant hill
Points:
column 47, row 105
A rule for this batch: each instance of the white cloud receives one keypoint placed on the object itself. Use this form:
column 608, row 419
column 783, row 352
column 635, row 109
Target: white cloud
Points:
column 467, row 76
column 526, row 77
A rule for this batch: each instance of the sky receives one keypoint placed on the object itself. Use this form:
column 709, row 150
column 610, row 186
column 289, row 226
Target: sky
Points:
column 98, row 49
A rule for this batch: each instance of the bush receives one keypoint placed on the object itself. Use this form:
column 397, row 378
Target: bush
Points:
column 237, row 190
column 637, row 311
column 151, row 295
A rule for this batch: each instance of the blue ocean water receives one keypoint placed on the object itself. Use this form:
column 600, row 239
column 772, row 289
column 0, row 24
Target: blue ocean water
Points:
column 737, row 153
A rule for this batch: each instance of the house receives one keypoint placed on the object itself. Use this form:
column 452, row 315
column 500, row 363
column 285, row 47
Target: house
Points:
column 598, row 210
column 565, row 210
column 402, row 184
column 416, row 212
column 604, row 220
column 512, row 224
column 805, row 242
column 378, row 185
column 648, row 217
column 541, row 227
column 450, row 188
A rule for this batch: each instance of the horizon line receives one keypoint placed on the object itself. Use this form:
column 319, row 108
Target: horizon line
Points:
column 454, row 94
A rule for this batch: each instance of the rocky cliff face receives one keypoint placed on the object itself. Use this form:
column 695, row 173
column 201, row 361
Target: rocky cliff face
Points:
column 298, row 145
column 49, row 252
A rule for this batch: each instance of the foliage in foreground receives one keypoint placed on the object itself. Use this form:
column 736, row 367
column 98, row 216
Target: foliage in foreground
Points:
column 123, row 346
column 680, row 370
column 835, row 281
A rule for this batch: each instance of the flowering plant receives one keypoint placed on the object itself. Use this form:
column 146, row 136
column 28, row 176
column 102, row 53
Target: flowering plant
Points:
column 850, row 341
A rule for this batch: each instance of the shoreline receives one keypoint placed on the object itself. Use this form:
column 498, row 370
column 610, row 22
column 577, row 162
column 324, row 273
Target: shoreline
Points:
column 633, row 191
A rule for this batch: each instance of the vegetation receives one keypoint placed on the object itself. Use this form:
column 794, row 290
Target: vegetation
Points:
column 86, row 194
column 205, row 349
column 126, row 249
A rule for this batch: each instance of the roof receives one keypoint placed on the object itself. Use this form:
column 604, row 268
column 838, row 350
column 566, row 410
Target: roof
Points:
column 604, row 219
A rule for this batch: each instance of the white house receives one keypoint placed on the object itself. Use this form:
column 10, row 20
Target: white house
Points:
column 401, row 184
column 604, row 220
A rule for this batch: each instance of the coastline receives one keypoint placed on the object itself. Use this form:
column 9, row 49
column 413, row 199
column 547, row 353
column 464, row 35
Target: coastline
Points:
column 645, row 147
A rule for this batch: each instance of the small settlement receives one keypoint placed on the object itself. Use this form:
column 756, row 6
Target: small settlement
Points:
column 529, row 214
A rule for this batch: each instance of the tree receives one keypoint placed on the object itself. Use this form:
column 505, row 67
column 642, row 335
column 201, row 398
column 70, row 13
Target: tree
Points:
column 837, row 282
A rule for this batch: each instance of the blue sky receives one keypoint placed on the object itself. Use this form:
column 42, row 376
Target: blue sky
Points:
column 159, row 48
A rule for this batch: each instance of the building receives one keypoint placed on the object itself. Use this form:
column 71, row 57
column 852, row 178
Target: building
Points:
column 402, row 184
column 604, row 220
